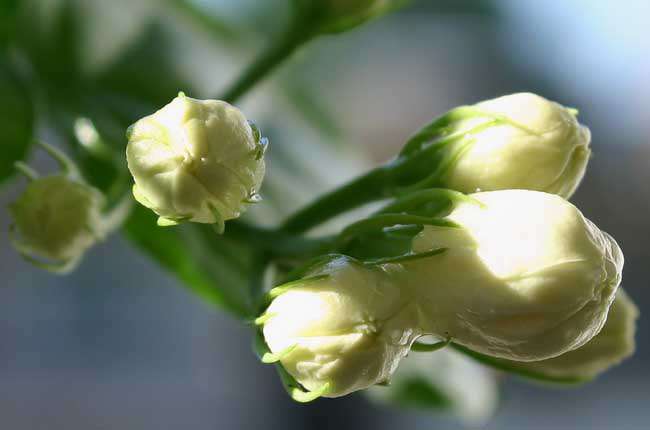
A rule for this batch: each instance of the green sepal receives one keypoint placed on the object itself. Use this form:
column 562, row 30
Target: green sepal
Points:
column 296, row 391
column 379, row 222
column 276, row 291
column 57, row 267
column 262, row 319
column 261, row 147
column 168, row 222
column 434, row 202
column 26, row 171
column 293, row 388
column 405, row 257
column 68, row 166
column 270, row 358
column 219, row 225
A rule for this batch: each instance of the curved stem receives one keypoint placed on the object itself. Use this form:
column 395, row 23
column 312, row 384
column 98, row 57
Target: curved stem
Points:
column 269, row 59
column 278, row 243
column 359, row 191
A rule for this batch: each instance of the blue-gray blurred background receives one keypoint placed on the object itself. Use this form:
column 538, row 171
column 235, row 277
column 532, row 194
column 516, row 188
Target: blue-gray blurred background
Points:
column 120, row 344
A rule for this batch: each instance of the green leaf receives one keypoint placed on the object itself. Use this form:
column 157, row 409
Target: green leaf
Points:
column 215, row 26
column 8, row 10
column 16, row 121
column 306, row 103
column 214, row 267
column 144, row 76
column 52, row 45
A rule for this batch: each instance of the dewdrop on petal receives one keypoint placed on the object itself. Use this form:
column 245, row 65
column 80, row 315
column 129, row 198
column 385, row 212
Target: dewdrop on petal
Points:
column 525, row 276
column 196, row 160
column 340, row 329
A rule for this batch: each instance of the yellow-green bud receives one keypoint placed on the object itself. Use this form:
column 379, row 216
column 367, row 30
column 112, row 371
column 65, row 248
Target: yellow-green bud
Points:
column 519, row 141
column 57, row 218
column 345, row 327
column 613, row 344
column 525, row 277
column 195, row 160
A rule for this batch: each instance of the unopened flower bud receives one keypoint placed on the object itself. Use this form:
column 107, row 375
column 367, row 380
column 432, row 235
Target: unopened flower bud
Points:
column 57, row 219
column 518, row 141
column 525, row 276
column 196, row 160
column 613, row 344
column 342, row 328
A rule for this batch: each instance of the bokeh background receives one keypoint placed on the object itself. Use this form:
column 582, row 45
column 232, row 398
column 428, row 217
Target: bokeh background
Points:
column 120, row 344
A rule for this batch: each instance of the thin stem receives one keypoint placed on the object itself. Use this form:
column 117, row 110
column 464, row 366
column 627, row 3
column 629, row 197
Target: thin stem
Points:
column 359, row 191
column 269, row 59
column 279, row 244
column 118, row 214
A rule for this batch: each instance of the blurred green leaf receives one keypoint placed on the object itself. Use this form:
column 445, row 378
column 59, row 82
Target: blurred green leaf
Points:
column 307, row 104
column 212, row 266
column 144, row 76
column 8, row 9
column 419, row 393
column 53, row 46
column 203, row 19
column 16, row 121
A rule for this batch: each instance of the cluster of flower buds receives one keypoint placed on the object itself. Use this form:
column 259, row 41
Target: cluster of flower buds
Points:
column 517, row 276
column 196, row 160
column 513, row 274
column 58, row 217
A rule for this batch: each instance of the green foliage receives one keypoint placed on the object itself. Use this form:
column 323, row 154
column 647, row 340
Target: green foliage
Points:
column 213, row 267
column 16, row 120
column 419, row 393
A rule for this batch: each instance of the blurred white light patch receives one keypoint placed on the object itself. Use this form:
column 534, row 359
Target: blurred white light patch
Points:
column 596, row 49
column 471, row 388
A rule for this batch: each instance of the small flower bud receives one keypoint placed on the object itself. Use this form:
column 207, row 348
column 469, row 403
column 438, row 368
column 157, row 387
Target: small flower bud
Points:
column 519, row 141
column 538, row 145
column 195, row 160
column 525, row 276
column 613, row 344
column 344, row 327
column 57, row 219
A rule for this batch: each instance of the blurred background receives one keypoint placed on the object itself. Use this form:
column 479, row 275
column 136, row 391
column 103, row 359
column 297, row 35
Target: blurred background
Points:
column 120, row 344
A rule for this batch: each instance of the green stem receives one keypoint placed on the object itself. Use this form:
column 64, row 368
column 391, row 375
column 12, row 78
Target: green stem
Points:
column 278, row 243
column 269, row 59
column 359, row 191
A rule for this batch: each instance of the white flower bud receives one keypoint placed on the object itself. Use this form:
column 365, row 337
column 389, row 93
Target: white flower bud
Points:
column 520, row 141
column 526, row 277
column 613, row 344
column 57, row 219
column 195, row 160
column 342, row 331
